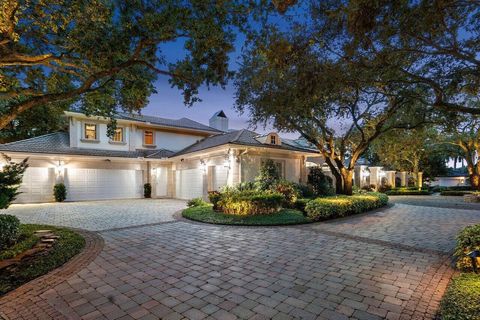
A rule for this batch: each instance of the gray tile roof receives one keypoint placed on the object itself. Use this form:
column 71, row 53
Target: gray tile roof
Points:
column 176, row 123
column 239, row 137
column 59, row 143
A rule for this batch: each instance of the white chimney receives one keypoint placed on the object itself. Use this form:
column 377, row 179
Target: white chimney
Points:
column 219, row 121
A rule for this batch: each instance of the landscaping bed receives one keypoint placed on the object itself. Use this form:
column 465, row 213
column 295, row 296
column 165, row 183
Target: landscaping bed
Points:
column 33, row 257
column 282, row 217
column 408, row 192
column 455, row 193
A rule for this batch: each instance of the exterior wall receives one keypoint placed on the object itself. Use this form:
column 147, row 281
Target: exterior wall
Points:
column 165, row 140
column 103, row 141
column 450, row 181
column 250, row 166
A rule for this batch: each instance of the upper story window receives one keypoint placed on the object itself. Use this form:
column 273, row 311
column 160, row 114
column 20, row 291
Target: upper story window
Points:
column 148, row 137
column 118, row 135
column 90, row 131
column 273, row 139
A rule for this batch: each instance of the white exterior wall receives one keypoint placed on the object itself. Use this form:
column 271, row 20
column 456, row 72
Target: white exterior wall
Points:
column 450, row 181
column 103, row 141
column 165, row 140
column 250, row 167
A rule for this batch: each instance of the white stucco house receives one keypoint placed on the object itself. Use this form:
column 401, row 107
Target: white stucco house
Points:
column 180, row 158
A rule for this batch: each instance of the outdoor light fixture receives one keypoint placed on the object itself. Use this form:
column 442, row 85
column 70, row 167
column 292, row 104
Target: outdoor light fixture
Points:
column 226, row 163
column 203, row 165
column 474, row 255
column 60, row 167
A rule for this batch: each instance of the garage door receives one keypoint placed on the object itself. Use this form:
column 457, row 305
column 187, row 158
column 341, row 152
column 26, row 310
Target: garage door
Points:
column 37, row 185
column 189, row 183
column 98, row 184
column 220, row 177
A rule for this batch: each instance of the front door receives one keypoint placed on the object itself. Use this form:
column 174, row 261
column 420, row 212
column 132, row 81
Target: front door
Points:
column 162, row 182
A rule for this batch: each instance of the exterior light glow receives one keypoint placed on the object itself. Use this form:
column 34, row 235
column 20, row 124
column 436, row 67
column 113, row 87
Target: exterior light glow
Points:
column 60, row 167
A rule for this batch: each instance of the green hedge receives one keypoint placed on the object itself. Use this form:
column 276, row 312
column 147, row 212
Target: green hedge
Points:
column 468, row 240
column 251, row 202
column 301, row 203
column 455, row 193
column 340, row 206
column 9, row 230
column 408, row 192
column 453, row 188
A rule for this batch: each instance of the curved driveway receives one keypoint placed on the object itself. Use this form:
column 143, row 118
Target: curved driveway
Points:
column 389, row 264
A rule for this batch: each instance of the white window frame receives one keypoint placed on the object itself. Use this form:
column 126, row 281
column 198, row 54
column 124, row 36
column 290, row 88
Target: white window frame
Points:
column 84, row 132
column 123, row 136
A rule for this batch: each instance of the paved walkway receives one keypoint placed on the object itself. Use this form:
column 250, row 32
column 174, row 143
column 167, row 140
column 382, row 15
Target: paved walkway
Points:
column 98, row 215
column 352, row 268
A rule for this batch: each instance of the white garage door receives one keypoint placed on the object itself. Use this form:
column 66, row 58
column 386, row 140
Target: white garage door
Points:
column 37, row 185
column 189, row 183
column 220, row 177
column 97, row 184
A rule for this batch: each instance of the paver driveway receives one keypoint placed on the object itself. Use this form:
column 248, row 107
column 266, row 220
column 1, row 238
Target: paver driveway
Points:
column 350, row 268
column 99, row 215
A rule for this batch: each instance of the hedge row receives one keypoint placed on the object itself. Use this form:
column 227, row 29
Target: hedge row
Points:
column 251, row 202
column 341, row 206
column 455, row 193
column 407, row 192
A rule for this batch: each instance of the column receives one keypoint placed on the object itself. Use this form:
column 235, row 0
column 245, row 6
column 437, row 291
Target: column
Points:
column 375, row 176
column 391, row 178
column 403, row 179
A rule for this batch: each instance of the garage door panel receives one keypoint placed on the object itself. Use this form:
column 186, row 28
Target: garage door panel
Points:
column 189, row 183
column 37, row 185
column 220, row 177
column 97, row 184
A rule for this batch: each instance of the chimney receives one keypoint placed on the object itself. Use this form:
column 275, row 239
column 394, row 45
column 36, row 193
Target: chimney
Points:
column 219, row 121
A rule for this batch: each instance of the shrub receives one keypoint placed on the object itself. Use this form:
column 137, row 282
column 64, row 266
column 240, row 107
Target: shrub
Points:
column 407, row 192
column 461, row 300
column 455, row 193
column 10, row 179
column 301, row 203
column 251, row 202
column 384, row 188
column 9, row 230
column 147, row 190
column 59, row 192
column 288, row 190
column 196, row 202
column 468, row 240
column 322, row 184
column 244, row 186
column 340, row 206
column 269, row 175
column 214, row 197
column 304, row 190
column 369, row 188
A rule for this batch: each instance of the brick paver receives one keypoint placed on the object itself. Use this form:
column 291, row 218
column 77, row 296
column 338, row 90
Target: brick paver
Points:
column 98, row 215
column 338, row 270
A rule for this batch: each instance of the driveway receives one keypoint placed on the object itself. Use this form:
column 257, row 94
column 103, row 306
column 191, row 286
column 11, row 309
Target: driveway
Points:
column 389, row 264
column 99, row 215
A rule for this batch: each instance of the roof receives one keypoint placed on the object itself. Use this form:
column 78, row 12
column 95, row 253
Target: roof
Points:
column 59, row 143
column 174, row 123
column 239, row 137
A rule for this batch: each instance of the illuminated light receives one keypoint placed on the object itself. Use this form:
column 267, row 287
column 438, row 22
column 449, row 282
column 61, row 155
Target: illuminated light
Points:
column 60, row 167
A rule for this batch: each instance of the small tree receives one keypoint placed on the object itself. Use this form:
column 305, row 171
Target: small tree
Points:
column 60, row 192
column 321, row 183
column 10, row 179
column 269, row 175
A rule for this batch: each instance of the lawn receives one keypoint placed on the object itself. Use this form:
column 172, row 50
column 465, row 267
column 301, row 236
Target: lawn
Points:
column 462, row 299
column 208, row 215
column 68, row 245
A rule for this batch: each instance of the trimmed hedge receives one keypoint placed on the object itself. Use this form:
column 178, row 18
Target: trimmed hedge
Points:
column 455, row 193
column 341, row 206
column 9, row 230
column 251, row 202
column 408, row 192
column 468, row 240
column 301, row 203
column 452, row 188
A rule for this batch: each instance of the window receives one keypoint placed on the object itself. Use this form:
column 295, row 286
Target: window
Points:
column 273, row 139
column 118, row 135
column 148, row 138
column 90, row 131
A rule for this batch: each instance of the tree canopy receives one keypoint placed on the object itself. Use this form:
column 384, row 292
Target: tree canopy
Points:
column 105, row 54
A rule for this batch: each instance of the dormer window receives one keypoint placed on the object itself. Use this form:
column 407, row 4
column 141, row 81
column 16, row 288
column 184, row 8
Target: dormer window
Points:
column 148, row 138
column 118, row 135
column 90, row 131
column 273, row 139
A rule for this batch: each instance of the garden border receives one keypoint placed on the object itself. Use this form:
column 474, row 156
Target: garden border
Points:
column 27, row 301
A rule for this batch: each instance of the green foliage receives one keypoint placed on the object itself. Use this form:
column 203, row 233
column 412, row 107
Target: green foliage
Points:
column 68, row 245
column 288, row 190
column 305, row 190
column 10, row 179
column 269, row 175
column 453, row 188
column 408, row 192
column 461, row 300
column 106, row 54
column 59, row 192
column 384, row 188
column 455, row 193
column 9, row 230
column 341, row 206
column 283, row 217
column 468, row 240
column 301, row 203
column 251, row 202
column 214, row 197
column 196, row 202
column 147, row 190
column 322, row 184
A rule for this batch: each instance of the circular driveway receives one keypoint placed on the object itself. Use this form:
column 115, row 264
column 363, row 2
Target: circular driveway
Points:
column 382, row 265
column 99, row 215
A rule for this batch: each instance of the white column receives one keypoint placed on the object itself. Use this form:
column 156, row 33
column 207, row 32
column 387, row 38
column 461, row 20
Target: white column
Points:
column 403, row 178
column 375, row 176
column 391, row 178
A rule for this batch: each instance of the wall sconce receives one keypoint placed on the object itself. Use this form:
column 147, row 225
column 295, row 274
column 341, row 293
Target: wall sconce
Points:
column 60, row 167
column 227, row 161
column 203, row 165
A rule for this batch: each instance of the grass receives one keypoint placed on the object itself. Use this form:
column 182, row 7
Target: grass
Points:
column 68, row 245
column 208, row 215
column 462, row 298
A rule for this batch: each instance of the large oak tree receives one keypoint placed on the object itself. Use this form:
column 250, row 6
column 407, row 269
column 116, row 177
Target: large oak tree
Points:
column 105, row 54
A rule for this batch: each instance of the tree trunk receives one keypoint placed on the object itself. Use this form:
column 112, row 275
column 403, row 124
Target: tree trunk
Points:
column 347, row 177
column 475, row 181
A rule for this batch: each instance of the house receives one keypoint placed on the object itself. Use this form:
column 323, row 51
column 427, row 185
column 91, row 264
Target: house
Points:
column 180, row 158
